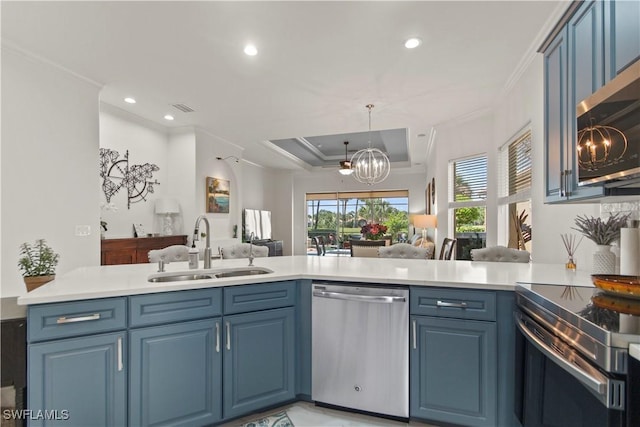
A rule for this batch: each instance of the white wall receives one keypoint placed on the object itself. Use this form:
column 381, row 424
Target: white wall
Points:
column 523, row 104
column 49, row 165
column 146, row 142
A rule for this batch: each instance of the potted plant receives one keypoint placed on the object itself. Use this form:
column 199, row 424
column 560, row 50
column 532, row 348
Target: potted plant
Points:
column 602, row 233
column 38, row 263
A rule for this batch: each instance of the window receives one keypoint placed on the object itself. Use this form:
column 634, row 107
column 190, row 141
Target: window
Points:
column 336, row 218
column 467, row 203
column 514, row 198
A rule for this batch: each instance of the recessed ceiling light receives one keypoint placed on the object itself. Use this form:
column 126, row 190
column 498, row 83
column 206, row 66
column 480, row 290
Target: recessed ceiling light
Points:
column 250, row 50
column 130, row 100
column 168, row 117
column 412, row 43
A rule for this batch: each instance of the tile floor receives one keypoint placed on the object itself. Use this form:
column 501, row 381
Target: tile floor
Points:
column 305, row 414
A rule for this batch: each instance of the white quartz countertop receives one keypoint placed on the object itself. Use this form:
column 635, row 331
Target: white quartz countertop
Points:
column 121, row 280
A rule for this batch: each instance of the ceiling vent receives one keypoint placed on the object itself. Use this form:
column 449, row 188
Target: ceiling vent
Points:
column 184, row 108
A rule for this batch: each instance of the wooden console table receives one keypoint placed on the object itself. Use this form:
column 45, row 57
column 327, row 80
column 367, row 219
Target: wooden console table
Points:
column 135, row 250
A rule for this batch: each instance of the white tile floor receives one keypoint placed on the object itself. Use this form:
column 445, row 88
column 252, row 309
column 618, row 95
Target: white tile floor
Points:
column 305, row 414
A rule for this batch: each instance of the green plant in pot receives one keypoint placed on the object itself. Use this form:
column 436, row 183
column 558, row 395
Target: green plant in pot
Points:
column 38, row 263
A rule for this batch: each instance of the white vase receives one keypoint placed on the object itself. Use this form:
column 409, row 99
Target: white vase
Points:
column 604, row 261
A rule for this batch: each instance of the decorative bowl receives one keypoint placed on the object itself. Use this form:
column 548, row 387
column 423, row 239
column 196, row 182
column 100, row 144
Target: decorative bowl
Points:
column 626, row 286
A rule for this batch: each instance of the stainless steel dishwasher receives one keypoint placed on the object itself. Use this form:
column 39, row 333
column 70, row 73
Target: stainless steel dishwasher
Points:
column 360, row 347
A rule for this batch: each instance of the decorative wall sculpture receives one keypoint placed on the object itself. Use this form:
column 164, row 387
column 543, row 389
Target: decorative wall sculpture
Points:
column 116, row 173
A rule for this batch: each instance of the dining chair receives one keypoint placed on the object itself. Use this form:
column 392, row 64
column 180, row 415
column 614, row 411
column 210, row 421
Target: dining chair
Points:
column 244, row 250
column 500, row 254
column 446, row 251
column 366, row 243
column 405, row 250
column 318, row 242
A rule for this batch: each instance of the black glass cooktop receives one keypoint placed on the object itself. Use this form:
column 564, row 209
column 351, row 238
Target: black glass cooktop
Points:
column 606, row 317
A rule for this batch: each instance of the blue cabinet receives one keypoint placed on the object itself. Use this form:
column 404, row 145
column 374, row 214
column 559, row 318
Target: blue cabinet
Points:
column 79, row 381
column 259, row 360
column 573, row 70
column 622, row 24
column 176, row 374
column 453, row 368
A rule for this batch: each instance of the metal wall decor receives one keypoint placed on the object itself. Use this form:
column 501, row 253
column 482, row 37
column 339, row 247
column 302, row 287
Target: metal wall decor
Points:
column 116, row 173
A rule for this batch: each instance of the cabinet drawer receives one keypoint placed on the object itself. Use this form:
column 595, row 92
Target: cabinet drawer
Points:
column 52, row 321
column 454, row 303
column 168, row 307
column 241, row 299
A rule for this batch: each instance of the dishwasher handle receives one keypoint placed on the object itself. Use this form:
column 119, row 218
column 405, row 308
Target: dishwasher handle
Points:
column 384, row 299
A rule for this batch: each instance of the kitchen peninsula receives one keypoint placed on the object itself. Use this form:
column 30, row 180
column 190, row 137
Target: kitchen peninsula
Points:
column 141, row 340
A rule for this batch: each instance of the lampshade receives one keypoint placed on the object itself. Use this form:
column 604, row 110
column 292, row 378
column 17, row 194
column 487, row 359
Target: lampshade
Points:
column 425, row 221
column 167, row 205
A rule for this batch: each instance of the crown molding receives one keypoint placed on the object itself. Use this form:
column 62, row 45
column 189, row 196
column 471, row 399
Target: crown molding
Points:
column 12, row 47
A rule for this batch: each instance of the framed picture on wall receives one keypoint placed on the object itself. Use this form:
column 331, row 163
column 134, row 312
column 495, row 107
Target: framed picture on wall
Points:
column 217, row 195
column 427, row 198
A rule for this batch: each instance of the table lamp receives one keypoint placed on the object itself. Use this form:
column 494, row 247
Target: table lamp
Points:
column 424, row 222
column 167, row 207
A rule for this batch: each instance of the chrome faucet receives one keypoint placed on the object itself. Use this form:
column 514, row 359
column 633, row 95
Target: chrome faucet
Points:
column 207, row 249
column 251, row 237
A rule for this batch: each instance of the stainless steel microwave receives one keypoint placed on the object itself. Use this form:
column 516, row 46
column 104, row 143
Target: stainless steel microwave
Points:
column 608, row 131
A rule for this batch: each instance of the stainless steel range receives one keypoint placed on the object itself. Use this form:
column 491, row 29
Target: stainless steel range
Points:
column 573, row 364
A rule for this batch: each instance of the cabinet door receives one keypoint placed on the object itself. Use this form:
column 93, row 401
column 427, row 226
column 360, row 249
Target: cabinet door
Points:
column 586, row 57
column 259, row 363
column 81, row 380
column 555, row 116
column 175, row 374
column 453, row 366
column 625, row 37
column 120, row 256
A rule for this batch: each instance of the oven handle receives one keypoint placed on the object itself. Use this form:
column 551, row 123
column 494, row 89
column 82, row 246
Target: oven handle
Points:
column 598, row 387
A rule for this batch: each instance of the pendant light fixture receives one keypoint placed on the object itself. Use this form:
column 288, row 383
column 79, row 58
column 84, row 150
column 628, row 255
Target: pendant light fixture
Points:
column 371, row 166
column 345, row 165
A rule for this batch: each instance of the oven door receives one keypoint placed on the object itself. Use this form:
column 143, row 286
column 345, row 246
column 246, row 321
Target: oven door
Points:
column 557, row 387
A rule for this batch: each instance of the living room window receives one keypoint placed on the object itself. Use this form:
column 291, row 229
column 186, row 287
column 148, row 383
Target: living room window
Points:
column 514, row 197
column 468, row 203
column 336, row 218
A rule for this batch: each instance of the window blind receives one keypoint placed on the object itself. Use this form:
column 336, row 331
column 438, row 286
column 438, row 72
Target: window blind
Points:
column 515, row 170
column 469, row 178
column 358, row 195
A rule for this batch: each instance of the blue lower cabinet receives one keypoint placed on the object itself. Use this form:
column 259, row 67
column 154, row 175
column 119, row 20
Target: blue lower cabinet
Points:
column 176, row 374
column 78, row 381
column 259, row 360
column 453, row 368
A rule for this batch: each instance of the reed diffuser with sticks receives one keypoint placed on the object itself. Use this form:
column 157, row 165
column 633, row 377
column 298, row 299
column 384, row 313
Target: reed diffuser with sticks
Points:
column 571, row 245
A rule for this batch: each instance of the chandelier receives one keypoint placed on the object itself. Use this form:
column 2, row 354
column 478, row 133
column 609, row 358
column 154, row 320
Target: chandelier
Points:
column 370, row 165
column 345, row 165
column 600, row 146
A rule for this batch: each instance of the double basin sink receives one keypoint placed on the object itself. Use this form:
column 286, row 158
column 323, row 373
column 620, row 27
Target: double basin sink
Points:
column 208, row 274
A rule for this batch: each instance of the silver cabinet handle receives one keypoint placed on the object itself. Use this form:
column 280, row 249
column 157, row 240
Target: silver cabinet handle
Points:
column 415, row 344
column 387, row 299
column 120, row 363
column 63, row 319
column 228, row 336
column 451, row 304
column 217, row 337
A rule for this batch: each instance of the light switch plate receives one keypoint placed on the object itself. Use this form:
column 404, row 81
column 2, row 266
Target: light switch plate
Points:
column 83, row 230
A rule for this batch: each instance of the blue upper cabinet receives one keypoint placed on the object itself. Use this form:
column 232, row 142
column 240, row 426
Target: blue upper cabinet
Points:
column 574, row 68
column 622, row 35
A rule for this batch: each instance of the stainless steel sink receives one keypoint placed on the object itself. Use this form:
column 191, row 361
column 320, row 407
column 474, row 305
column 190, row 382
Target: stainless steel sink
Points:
column 209, row 274
column 180, row 277
column 242, row 272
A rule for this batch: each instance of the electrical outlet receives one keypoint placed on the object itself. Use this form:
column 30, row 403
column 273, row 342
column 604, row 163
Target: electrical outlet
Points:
column 83, row 230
